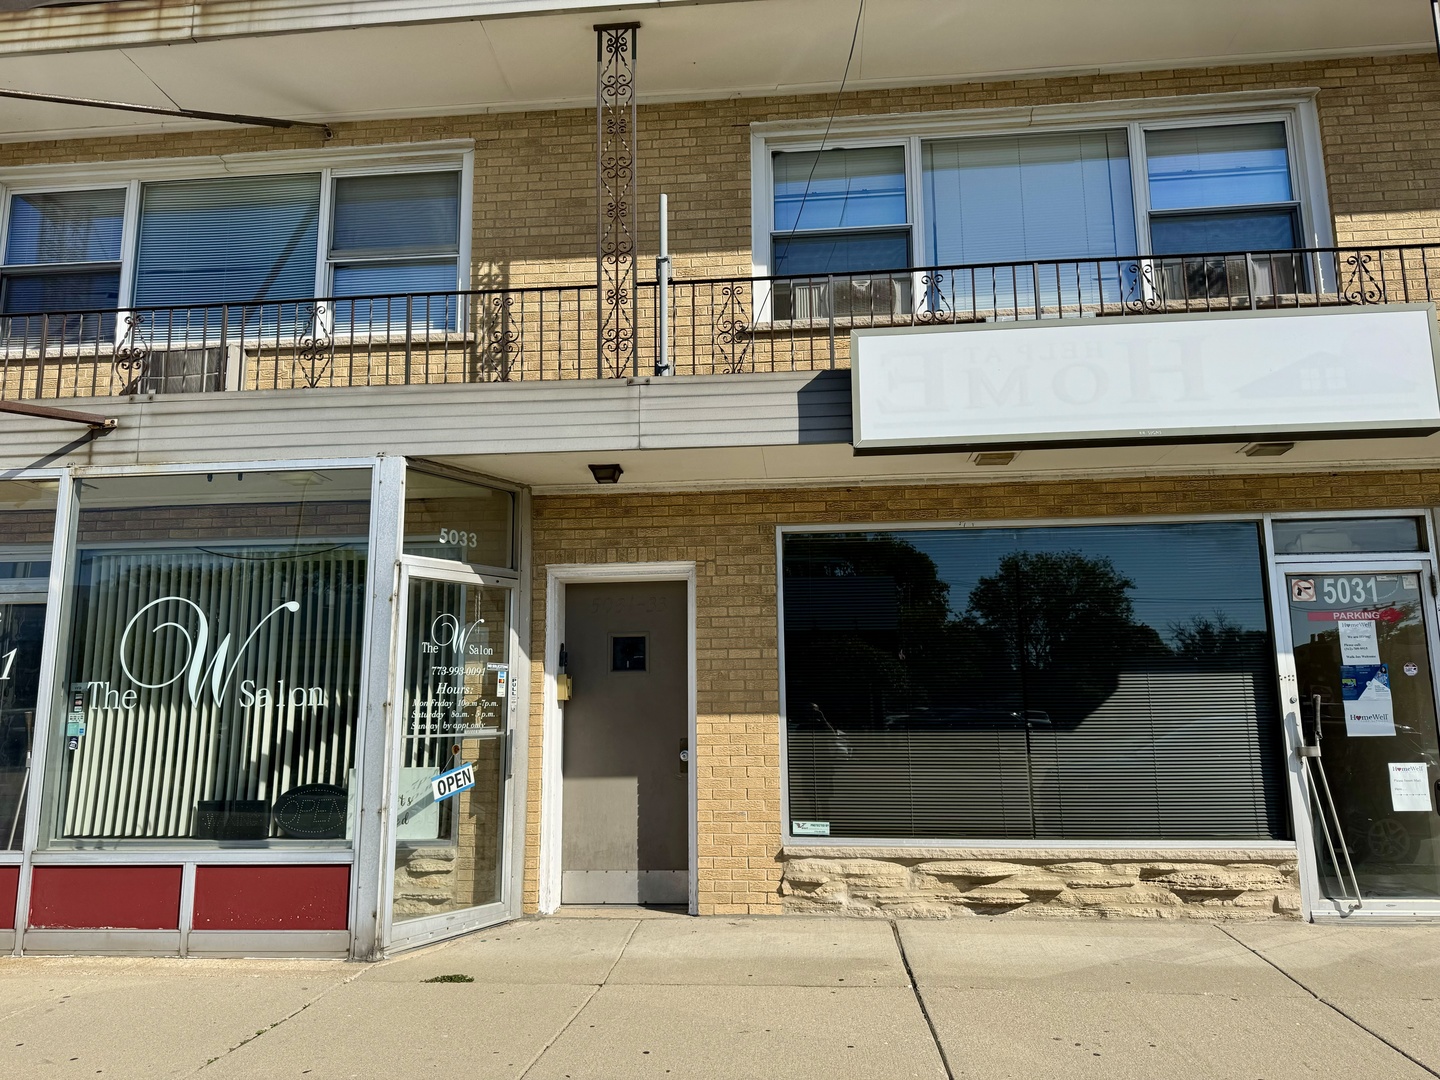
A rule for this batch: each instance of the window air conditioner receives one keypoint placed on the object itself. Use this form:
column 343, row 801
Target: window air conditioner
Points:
column 187, row 371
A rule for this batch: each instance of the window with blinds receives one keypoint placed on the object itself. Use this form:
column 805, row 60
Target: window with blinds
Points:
column 245, row 242
column 209, row 675
column 62, row 255
column 1023, row 198
column 396, row 238
column 840, row 212
column 1223, row 189
column 1096, row 682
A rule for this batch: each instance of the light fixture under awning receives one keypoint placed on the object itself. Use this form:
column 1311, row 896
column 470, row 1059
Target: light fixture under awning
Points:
column 1239, row 376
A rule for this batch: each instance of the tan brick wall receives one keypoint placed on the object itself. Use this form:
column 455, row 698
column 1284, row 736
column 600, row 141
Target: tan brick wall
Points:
column 534, row 171
column 731, row 538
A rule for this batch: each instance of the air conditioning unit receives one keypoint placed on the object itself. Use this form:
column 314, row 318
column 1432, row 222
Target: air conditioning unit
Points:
column 189, row 371
column 843, row 297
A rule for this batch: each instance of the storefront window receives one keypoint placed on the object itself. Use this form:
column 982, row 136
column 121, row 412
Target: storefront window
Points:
column 455, row 519
column 1099, row 682
column 213, row 664
column 27, row 526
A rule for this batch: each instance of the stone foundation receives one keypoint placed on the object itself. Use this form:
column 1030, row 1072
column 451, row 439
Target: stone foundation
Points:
column 945, row 883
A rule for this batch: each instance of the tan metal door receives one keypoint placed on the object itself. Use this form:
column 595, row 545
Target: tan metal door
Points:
column 625, row 833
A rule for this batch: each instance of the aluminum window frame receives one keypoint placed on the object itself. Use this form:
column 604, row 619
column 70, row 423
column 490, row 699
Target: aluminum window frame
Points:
column 1296, row 108
column 132, row 176
column 1271, row 565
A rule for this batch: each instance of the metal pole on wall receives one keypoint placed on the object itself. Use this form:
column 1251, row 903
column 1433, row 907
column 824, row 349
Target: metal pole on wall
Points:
column 662, row 293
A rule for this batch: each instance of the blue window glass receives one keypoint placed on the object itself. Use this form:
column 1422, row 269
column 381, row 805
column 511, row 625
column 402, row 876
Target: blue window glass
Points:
column 839, row 189
column 234, row 240
column 840, row 252
column 1245, row 230
column 380, row 290
column 1230, row 165
column 400, row 214
column 65, row 227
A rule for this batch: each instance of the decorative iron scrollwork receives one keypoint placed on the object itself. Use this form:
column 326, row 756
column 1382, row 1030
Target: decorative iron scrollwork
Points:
column 131, row 361
column 500, row 343
column 1361, row 284
column 733, row 330
column 935, row 308
column 1140, row 293
column 615, row 123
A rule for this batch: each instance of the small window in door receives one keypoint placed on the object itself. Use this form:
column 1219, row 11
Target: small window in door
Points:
column 629, row 652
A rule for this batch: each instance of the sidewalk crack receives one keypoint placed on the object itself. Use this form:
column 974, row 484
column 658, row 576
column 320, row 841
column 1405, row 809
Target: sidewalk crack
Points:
column 920, row 1000
column 595, row 989
column 362, row 968
column 1330, row 1004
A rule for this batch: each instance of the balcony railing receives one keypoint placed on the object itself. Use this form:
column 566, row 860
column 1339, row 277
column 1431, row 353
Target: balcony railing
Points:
column 714, row 326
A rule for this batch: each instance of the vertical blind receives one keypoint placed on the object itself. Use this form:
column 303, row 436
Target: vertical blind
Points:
column 141, row 772
column 1021, row 197
column 1097, row 682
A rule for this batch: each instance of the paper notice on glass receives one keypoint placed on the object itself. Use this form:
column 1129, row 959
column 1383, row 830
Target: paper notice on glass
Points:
column 1368, row 708
column 1409, row 786
column 1358, row 643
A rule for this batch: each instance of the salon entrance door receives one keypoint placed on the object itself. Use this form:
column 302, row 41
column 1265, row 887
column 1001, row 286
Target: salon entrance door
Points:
column 1363, row 639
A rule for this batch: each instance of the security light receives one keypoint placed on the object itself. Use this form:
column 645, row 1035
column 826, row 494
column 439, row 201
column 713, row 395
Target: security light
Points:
column 606, row 474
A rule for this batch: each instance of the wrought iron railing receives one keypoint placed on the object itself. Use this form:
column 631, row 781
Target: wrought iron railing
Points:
column 715, row 326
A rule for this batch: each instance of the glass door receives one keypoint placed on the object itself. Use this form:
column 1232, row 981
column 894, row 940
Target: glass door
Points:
column 1362, row 640
column 451, row 778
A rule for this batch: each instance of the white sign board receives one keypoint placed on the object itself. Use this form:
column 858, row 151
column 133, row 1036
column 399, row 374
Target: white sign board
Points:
column 453, row 782
column 1144, row 378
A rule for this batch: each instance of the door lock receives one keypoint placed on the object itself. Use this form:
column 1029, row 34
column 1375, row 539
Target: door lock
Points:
column 684, row 756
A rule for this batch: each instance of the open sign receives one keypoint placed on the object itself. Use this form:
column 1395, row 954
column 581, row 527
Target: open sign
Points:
column 452, row 782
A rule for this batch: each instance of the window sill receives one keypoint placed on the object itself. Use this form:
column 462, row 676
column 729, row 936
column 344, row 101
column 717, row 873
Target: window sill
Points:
column 1030, row 849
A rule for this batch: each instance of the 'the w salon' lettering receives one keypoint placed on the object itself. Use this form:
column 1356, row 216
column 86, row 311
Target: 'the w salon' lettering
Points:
column 190, row 660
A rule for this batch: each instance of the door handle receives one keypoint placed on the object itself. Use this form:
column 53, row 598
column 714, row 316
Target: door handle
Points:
column 684, row 756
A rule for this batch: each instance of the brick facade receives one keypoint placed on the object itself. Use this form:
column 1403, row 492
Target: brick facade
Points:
column 534, row 204
column 730, row 536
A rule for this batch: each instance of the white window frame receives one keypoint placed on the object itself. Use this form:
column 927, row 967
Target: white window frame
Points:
column 1295, row 108
column 456, row 155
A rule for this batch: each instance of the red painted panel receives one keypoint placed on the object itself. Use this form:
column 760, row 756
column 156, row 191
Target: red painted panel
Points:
column 272, row 897
column 9, row 887
column 105, row 897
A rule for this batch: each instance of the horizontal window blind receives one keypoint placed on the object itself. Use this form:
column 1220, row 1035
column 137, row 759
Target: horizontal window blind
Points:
column 1051, row 683
column 234, row 240
column 65, row 227
column 839, row 189
column 1225, row 165
column 400, row 214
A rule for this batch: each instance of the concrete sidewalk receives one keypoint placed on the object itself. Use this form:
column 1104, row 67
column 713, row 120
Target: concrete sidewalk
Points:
column 629, row 996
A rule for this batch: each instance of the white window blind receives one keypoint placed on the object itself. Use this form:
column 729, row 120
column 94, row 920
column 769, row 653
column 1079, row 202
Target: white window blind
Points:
column 1013, row 198
column 234, row 240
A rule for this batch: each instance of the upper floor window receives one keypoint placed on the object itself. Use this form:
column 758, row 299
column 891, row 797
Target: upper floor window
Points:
column 1093, row 197
column 62, row 253
column 251, row 252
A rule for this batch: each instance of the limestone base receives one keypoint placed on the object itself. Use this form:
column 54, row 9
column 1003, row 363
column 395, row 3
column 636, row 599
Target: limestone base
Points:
column 1100, row 883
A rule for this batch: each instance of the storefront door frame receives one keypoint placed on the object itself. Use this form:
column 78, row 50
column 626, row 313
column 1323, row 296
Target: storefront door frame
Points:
column 1315, row 906
column 551, row 780
column 430, row 928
